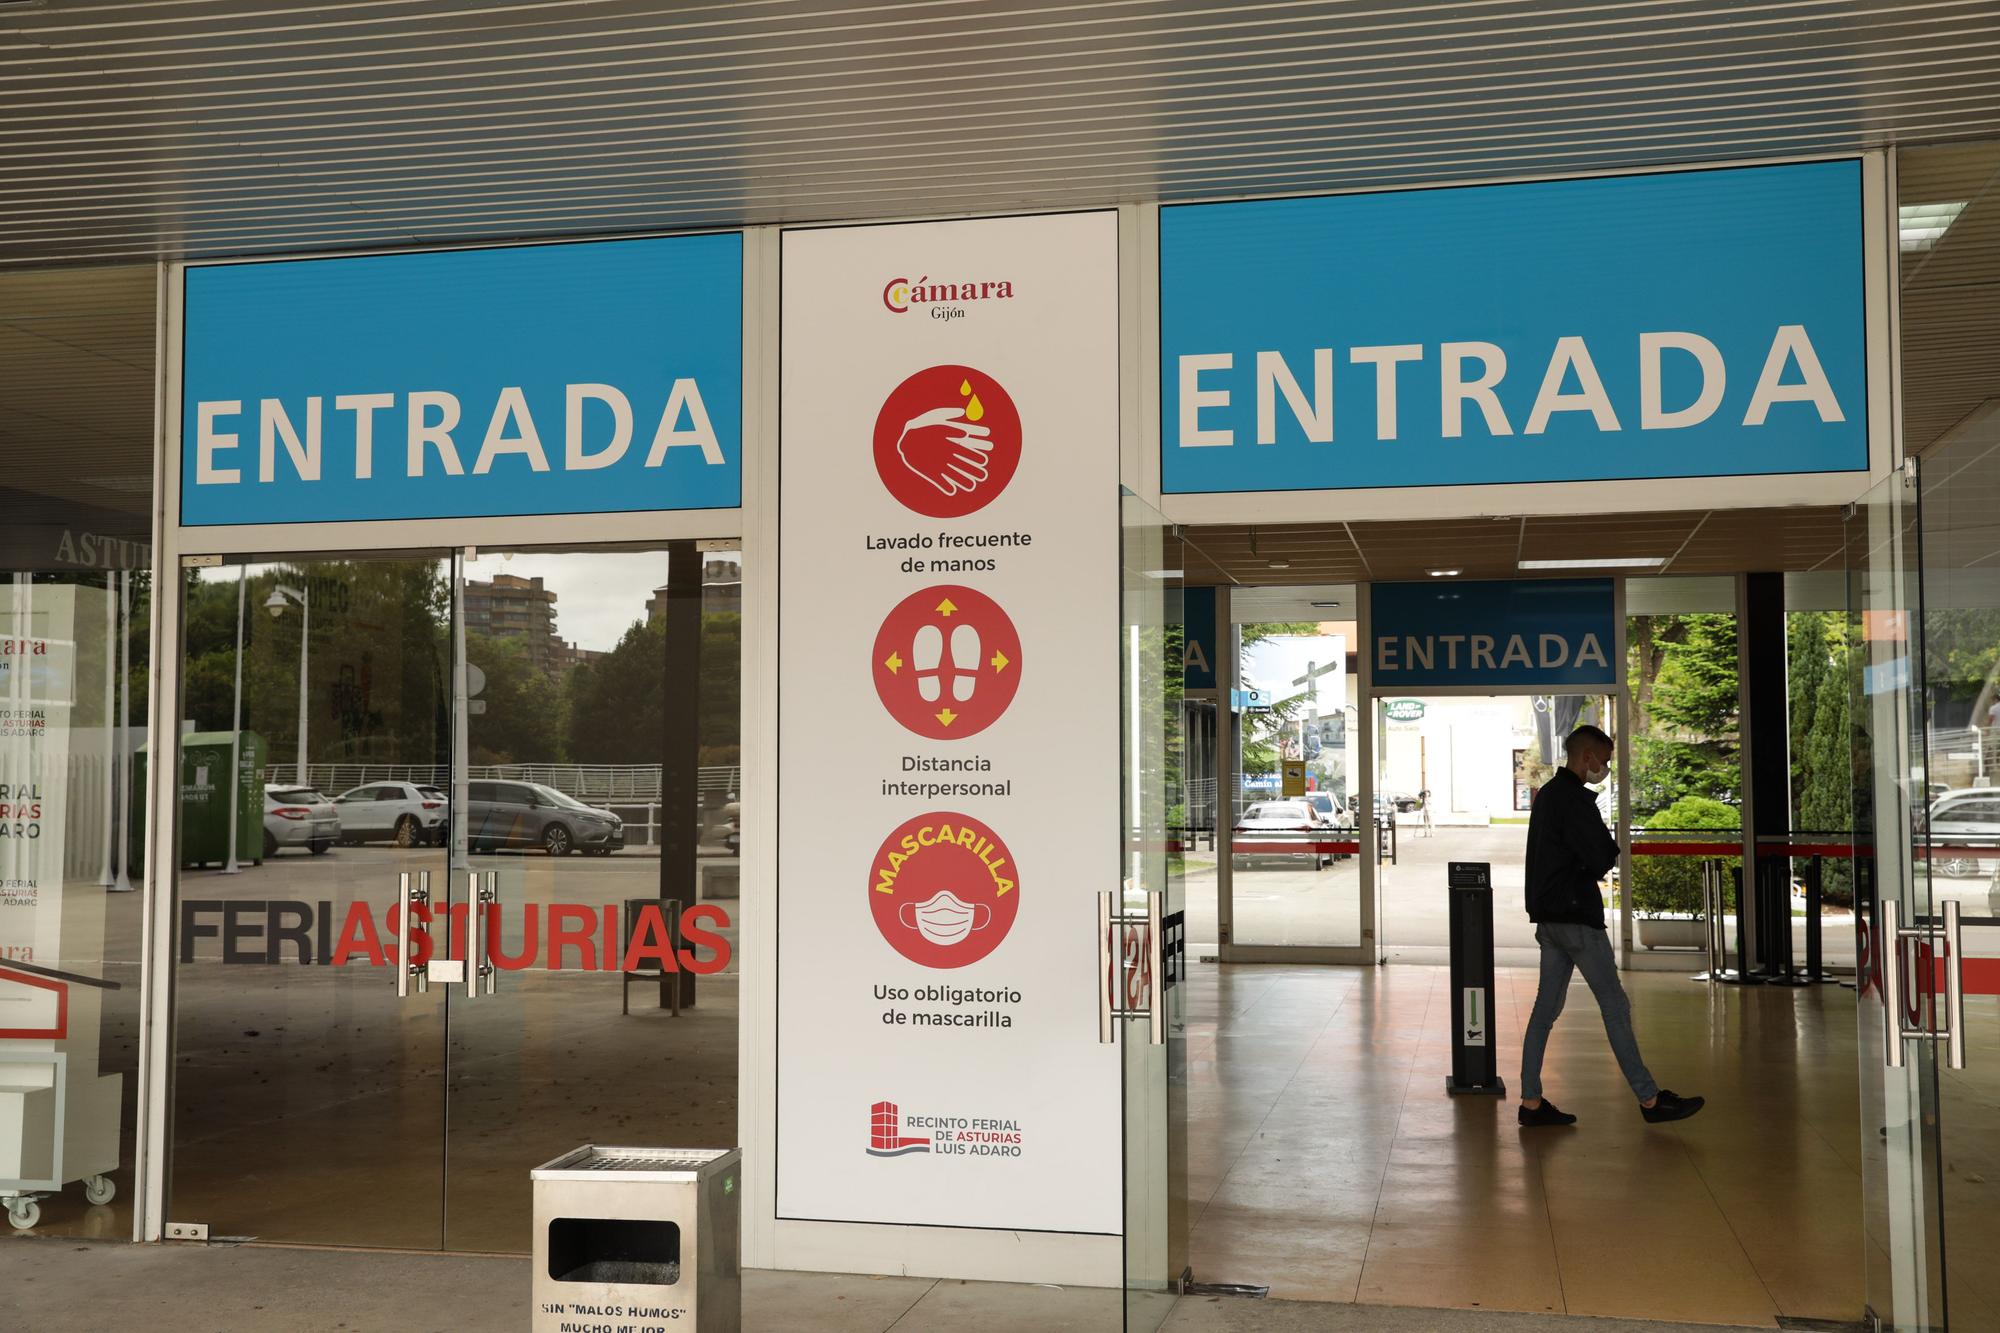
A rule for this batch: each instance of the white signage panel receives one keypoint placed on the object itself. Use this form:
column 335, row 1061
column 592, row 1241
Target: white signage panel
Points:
column 948, row 670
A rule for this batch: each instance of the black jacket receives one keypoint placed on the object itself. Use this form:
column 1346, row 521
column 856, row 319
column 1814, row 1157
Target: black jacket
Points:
column 1569, row 851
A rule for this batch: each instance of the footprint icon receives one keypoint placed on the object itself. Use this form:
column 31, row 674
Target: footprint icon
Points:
column 925, row 654
column 965, row 658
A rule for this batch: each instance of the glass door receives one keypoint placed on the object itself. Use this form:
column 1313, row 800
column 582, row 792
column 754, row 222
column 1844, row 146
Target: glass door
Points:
column 1145, row 983
column 1901, row 1181
column 1958, row 633
column 594, row 847
column 308, row 1090
column 477, row 903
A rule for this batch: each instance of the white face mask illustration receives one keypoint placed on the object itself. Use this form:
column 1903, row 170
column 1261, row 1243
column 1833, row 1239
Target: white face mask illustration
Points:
column 944, row 917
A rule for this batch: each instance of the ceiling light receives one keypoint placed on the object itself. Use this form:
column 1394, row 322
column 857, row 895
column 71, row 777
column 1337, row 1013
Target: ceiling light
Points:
column 1280, row 564
column 1442, row 573
column 1166, row 573
column 1922, row 226
column 1326, row 603
column 1597, row 562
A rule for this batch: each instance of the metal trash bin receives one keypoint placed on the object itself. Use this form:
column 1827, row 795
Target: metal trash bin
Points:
column 640, row 1239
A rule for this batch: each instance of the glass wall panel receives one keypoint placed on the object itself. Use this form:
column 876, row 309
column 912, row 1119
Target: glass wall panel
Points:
column 1686, row 767
column 1951, row 395
column 295, row 1028
column 76, row 429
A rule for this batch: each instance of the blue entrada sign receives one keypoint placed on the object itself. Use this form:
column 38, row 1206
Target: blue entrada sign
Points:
column 1507, row 632
column 553, row 379
column 1684, row 324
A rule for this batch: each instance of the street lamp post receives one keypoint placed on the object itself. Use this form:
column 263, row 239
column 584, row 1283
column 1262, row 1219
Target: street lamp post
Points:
column 281, row 596
column 236, row 730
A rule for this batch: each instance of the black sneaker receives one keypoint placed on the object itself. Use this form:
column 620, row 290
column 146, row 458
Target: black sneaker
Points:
column 1548, row 1113
column 1670, row 1107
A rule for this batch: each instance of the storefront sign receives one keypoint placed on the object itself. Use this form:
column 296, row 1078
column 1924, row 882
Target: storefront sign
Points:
column 37, row 695
column 949, row 563
column 1549, row 632
column 1685, row 324
column 1198, row 641
column 549, row 379
column 1404, row 710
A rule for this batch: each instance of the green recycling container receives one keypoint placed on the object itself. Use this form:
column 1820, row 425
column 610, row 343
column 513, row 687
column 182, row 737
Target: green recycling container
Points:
column 204, row 831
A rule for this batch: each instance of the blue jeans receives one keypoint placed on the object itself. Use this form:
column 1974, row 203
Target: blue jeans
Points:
column 1565, row 949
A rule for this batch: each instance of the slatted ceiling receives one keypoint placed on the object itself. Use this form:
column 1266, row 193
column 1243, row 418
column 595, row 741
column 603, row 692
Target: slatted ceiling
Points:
column 76, row 391
column 1719, row 541
column 135, row 128
column 1950, row 292
column 1605, row 536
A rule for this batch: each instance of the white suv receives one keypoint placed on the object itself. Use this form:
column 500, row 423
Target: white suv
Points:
column 399, row 812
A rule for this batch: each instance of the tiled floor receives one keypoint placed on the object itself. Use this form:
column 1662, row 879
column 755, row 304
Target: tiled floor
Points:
column 1326, row 1161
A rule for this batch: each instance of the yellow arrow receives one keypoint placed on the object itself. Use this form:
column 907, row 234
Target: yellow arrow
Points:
column 946, row 716
column 999, row 660
column 945, row 607
column 894, row 662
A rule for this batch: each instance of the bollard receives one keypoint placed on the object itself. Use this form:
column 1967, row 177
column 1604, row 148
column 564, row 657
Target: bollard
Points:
column 1474, row 1048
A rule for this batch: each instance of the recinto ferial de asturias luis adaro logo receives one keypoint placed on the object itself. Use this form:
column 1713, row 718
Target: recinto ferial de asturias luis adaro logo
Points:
column 954, row 1135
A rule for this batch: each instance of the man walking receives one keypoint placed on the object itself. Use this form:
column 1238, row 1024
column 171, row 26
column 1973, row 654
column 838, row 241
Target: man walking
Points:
column 1569, row 851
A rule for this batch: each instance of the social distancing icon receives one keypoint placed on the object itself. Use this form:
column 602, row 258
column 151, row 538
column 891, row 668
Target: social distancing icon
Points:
column 947, row 662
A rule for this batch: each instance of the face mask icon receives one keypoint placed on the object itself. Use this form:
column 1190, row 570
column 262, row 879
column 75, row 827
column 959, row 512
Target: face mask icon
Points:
column 944, row 917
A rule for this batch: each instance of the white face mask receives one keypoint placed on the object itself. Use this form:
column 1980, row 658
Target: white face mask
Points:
column 944, row 917
column 1598, row 774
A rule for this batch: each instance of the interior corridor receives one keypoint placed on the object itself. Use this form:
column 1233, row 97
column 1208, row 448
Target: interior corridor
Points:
column 1326, row 1161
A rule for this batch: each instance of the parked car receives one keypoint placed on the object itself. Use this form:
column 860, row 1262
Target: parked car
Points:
column 298, row 817
column 1384, row 807
column 404, row 813
column 529, row 814
column 1293, row 816
column 1966, row 816
column 1331, row 813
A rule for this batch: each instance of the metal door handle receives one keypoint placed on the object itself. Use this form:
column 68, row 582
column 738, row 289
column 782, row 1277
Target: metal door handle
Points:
column 408, row 896
column 479, row 973
column 1112, row 919
column 1156, row 1008
column 1891, row 945
column 1954, row 990
column 1106, row 973
column 1953, row 1031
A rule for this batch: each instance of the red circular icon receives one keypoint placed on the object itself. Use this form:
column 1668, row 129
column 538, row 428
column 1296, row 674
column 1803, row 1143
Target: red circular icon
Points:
column 943, row 890
column 947, row 662
column 947, row 441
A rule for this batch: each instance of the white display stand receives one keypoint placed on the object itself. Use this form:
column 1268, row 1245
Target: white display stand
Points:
column 59, row 1117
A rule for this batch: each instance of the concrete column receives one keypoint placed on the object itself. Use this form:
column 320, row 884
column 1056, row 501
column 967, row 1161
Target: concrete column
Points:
column 1765, row 725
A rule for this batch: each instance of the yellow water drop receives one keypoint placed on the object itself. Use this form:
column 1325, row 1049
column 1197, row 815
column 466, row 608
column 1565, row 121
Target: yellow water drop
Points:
column 975, row 409
column 965, row 386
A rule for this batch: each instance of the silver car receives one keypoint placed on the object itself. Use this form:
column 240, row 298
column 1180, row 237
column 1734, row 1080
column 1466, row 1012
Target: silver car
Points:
column 404, row 813
column 298, row 817
column 1961, row 820
column 1275, row 823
